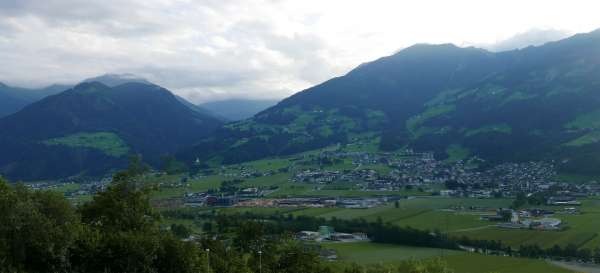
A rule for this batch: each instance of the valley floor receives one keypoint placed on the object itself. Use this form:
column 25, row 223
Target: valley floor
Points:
column 461, row 262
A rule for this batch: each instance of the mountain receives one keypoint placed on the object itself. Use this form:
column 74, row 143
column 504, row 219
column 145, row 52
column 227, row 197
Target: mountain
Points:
column 92, row 127
column 112, row 80
column 237, row 109
column 13, row 99
column 199, row 109
column 537, row 103
column 10, row 102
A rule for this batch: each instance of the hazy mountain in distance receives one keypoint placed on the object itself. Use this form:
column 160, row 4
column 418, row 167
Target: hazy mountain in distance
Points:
column 199, row 109
column 92, row 128
column 112, row 80
column 13, row 99
column 237, row 109
column 532, row 37
column 537, row 103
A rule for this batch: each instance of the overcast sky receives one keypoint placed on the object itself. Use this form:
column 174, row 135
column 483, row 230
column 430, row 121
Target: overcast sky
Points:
column 216, row 49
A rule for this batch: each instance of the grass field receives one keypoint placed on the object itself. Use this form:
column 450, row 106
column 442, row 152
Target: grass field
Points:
column 474, row 263
column 107, row 142
column 204, row 184
column 421, row 213
column 425, row 219
column 67, row 187
column 582, row 231
column 371, row 253
column 456, row 152
column 426, row 214
column 460, row 262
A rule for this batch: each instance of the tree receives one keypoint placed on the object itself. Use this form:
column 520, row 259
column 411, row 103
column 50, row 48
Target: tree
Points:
column 124, row 206
column 137, row 165
column 506, row 215
column 37, row 229
column 181, row 231
column 123, row 234
column 176, row 256
column 287, row 256
column 520, row 201
column 171, row 165
column 250, row 236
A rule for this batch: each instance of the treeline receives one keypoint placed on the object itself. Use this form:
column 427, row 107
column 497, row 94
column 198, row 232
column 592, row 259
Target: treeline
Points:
column 387, row 233
column 377, row 231
column 569, row 252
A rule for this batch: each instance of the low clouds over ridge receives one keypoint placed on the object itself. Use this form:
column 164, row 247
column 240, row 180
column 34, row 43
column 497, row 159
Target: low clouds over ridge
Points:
column 214, row 49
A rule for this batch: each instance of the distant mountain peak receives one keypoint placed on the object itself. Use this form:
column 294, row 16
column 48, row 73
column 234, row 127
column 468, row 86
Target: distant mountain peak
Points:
column 143, row 118
column 90, row 87
column 237, row 109
column 112, row 80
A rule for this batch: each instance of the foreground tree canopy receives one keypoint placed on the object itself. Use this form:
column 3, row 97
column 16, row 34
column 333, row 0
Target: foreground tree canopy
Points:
column 117, row 231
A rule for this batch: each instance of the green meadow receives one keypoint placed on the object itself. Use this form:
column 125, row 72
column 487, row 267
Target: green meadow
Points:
column 106, row 142
column 460, row 262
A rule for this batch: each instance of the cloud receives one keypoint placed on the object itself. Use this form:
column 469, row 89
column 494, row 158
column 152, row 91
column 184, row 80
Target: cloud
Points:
column 219, row 49
column 532, row 37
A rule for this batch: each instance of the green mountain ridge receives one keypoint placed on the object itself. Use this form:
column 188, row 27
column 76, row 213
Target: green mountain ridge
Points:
column 91, row 128
column 537, row 103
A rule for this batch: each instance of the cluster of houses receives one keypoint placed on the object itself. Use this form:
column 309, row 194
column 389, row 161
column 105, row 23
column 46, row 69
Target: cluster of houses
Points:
column 537, row 219
column 358, row 158
column 354, row 203
column 243, row 172
column 422, row 170
column 327, row 233
column 200, row 199
column 84, row 186
column 563, row 200
column 327, row 177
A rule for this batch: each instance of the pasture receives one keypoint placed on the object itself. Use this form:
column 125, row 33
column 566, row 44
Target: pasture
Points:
column 371, row 253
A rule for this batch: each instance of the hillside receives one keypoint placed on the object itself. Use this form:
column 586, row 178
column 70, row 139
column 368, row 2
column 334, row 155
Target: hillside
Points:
column 237, row 109
column 91, row 129
column 13, row 99
column 538, row 103
column 112, row 80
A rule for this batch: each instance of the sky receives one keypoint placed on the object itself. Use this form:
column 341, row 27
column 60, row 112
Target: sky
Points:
column 218, row 49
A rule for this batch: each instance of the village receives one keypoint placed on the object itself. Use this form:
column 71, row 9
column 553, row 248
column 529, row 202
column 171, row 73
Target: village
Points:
column 410, row 170
column 388, row 176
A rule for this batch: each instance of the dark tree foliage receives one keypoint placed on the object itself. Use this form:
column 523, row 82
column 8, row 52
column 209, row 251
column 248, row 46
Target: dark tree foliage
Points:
column 37, row 230
column 171, row 165
column 117, row 231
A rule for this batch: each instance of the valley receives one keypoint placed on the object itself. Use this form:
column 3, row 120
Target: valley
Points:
column 404, row 188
